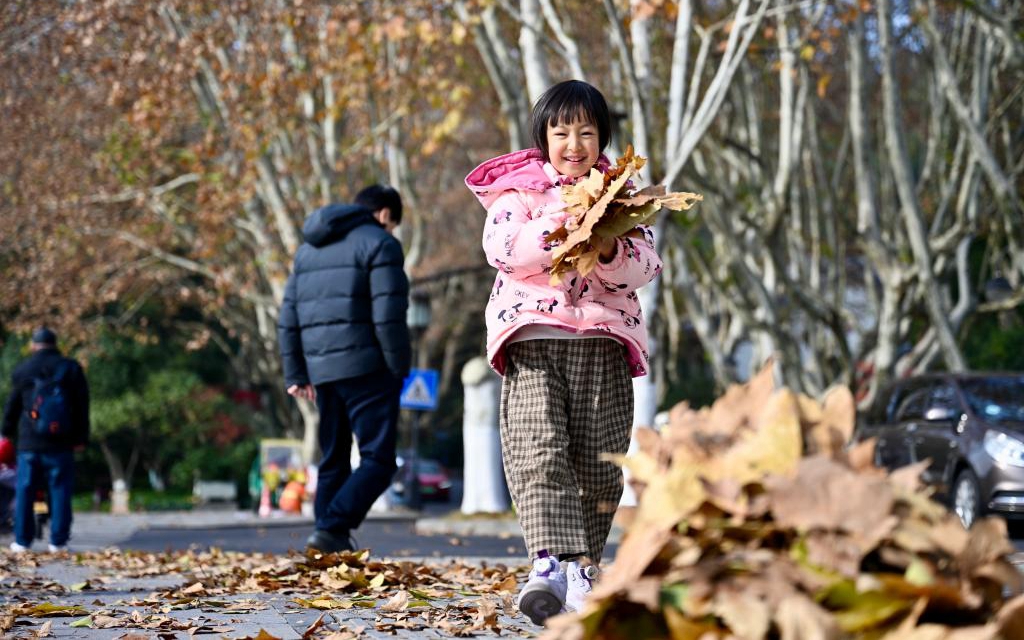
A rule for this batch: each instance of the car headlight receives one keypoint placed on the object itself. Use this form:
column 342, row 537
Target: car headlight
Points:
column 1004, row 448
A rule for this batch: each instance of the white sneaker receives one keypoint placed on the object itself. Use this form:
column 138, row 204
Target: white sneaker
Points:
column 581, row 583
column 57, row 548
column 18, row 548
column 544, row 592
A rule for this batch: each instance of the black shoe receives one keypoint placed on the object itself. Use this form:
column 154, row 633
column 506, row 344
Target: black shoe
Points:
column 327, row 542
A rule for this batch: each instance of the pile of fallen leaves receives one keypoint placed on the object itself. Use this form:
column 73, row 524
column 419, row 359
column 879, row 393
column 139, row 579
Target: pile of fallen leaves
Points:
column 607, row 205
column 453, row 598
column 757, row 521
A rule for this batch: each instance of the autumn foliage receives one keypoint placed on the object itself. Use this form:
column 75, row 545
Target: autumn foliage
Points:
column 756, row 521
column 607, row 205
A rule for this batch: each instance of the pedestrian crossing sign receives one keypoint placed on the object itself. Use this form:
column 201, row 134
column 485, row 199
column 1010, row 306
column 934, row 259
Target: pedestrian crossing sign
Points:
column 420, row 390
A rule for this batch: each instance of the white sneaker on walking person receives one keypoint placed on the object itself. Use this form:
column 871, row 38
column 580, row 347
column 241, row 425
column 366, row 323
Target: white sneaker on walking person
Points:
column 19, row 548
column 57, row 548
column 580, row 584
column 544, row 592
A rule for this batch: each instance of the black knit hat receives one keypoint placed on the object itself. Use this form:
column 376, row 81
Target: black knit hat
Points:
column 43, row 335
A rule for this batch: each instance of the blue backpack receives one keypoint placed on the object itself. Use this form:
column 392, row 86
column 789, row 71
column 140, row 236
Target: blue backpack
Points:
column 50, row 411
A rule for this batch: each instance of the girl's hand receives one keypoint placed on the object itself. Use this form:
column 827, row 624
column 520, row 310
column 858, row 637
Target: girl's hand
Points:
column 606, row 247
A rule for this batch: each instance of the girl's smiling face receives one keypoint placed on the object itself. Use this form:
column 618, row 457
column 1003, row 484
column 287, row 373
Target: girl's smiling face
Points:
column 573, row 148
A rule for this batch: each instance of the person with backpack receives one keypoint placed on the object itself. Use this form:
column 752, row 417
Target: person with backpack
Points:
column 48, row 414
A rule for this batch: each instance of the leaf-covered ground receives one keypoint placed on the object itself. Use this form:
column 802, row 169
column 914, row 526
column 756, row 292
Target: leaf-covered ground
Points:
column 347, row 595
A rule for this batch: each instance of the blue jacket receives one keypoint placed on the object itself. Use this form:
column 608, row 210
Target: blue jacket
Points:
column 344, row 306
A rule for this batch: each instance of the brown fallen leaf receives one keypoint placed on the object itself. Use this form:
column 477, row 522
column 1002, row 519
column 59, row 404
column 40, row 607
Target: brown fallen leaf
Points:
column 316, row 626
column 262, row 635
column 799, row 618
column 44, row 631
column 398, row 602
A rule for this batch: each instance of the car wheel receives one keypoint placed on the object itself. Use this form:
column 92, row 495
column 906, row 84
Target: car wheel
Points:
column 967, row 498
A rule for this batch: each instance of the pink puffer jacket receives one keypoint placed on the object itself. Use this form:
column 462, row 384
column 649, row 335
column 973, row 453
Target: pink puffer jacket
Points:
column 523, row 200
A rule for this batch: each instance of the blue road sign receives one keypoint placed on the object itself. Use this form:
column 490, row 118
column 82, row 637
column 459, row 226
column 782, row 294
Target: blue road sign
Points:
column 420, row 390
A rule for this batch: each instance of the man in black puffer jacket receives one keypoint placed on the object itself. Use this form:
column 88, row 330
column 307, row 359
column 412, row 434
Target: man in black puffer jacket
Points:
column 345, row 343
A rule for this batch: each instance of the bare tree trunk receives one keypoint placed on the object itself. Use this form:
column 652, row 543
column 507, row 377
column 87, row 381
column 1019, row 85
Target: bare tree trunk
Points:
column 496, row 59
column 912, row 218
column 534, row 61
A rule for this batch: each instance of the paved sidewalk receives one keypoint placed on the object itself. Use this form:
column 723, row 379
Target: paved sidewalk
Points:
column 161, row 602
column 93, row 530
column 153, row 601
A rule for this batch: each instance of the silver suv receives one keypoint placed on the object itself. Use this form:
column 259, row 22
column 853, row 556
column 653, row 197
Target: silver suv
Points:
column 971, row 427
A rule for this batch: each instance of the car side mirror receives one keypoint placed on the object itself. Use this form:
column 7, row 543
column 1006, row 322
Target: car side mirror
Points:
column 939, row 414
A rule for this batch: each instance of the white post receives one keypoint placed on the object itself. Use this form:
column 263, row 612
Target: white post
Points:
column 484, row 489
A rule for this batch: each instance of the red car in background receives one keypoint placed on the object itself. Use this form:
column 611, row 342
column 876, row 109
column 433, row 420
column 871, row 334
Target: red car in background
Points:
column 434, row 480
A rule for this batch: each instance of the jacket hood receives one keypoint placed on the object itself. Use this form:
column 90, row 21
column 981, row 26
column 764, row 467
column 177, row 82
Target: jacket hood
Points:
column 517, row 170
column 329, row 224
column 526, row 169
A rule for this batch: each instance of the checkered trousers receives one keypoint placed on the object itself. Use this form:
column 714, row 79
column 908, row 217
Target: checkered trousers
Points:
column 563, row 403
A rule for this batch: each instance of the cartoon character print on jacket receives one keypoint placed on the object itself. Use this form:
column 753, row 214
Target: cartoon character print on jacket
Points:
column 630, row 320
column 543, row 243
column 503, row 266
column 547, row 305
column 511, row 314
column 502, row 216
column 584, row 289
column 496, row 289
column 632, row 253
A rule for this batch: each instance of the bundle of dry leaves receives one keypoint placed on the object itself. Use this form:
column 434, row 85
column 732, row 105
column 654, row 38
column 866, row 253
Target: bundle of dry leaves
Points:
column 608, row 206
column 756, row 521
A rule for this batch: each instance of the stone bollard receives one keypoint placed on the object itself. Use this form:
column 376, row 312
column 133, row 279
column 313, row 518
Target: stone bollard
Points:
column 119, row 498
column 484, row 489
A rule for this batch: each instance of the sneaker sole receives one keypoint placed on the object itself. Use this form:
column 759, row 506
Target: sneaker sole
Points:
column 540, row 605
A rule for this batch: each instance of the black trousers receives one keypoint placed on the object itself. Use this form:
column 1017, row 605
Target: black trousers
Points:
column 367, row 407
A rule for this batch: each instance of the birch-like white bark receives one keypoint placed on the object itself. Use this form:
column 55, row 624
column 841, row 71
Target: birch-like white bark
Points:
column 736, row 49
column 913, row 220
column 1002, row 187
column 494, row 53
column 535, row 67
column 638, row 118
column 640, row 39
column 677, row 75
column 570, row 51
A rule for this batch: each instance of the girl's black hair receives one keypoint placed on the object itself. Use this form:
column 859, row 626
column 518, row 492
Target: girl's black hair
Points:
column 565, row 103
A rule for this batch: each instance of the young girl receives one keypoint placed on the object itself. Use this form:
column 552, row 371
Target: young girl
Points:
column 567, row 352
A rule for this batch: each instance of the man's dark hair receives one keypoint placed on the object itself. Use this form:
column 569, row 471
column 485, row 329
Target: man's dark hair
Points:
column 565, row 103
column 377, row 196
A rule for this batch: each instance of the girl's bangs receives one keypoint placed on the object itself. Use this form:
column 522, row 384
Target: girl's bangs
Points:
column 569, row 113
